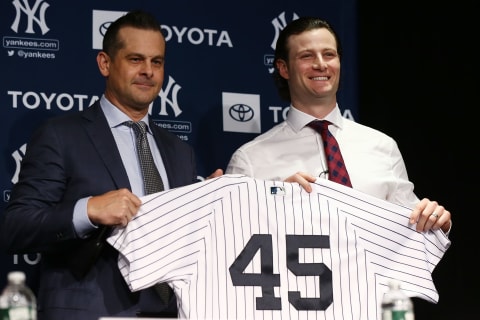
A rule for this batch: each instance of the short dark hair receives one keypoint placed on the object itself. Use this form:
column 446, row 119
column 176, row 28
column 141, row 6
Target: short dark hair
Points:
column 296, row 27
column 136, row 19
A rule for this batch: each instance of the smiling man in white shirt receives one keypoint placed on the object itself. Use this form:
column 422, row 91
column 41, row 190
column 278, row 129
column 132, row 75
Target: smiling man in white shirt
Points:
column 307, row 74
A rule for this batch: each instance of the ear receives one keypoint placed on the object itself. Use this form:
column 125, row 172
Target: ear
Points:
column 282, row 68
column 103, row 61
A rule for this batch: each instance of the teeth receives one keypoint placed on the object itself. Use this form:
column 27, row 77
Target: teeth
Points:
column 320, row 78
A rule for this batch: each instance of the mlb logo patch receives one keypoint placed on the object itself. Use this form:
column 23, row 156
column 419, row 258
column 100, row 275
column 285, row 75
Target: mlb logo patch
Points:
column 278, row 191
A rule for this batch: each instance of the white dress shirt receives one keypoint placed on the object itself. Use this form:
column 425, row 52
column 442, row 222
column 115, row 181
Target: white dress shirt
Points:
column 373, row 160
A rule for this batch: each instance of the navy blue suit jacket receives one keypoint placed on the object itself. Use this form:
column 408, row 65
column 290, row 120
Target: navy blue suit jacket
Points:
column 68, row 158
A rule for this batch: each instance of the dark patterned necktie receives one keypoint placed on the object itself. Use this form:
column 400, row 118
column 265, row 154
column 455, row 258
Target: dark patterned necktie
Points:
column 152, row 182
column 337, row 171
column 151, row 178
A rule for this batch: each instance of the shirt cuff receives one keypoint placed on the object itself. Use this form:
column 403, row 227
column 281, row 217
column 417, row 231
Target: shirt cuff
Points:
column 82, row 224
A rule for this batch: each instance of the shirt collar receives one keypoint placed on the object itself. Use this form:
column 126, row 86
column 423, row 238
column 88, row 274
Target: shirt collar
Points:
column 114, row 116
column 298, row 119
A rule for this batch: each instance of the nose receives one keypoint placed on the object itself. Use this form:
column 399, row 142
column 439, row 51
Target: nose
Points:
column 319, row 63
column 147, row 68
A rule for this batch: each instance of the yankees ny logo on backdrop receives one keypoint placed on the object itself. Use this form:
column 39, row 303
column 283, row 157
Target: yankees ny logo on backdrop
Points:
column 171, row 89
column 39, row 7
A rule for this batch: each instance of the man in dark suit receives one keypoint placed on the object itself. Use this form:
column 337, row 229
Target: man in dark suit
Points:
column 81, row 176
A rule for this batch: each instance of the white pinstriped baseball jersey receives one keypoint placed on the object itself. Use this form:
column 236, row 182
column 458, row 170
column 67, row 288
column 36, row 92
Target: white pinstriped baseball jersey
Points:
column 235, row 247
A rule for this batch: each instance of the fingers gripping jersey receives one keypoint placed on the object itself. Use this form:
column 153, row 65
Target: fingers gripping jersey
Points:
column 235, row 247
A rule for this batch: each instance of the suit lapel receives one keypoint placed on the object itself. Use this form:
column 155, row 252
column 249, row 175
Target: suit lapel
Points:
column 101, row 137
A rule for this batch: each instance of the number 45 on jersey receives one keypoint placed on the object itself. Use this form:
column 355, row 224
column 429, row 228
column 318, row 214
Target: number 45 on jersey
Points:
column 268, row 280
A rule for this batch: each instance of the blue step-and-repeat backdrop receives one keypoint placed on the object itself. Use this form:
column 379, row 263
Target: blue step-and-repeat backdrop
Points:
column 218, row 91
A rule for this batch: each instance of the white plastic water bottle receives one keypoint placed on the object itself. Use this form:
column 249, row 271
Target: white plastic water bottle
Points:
column 396, row 305
column 17, row 301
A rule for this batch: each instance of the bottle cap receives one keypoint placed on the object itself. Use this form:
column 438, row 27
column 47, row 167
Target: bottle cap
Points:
column 16, row 277
column 394, row 284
